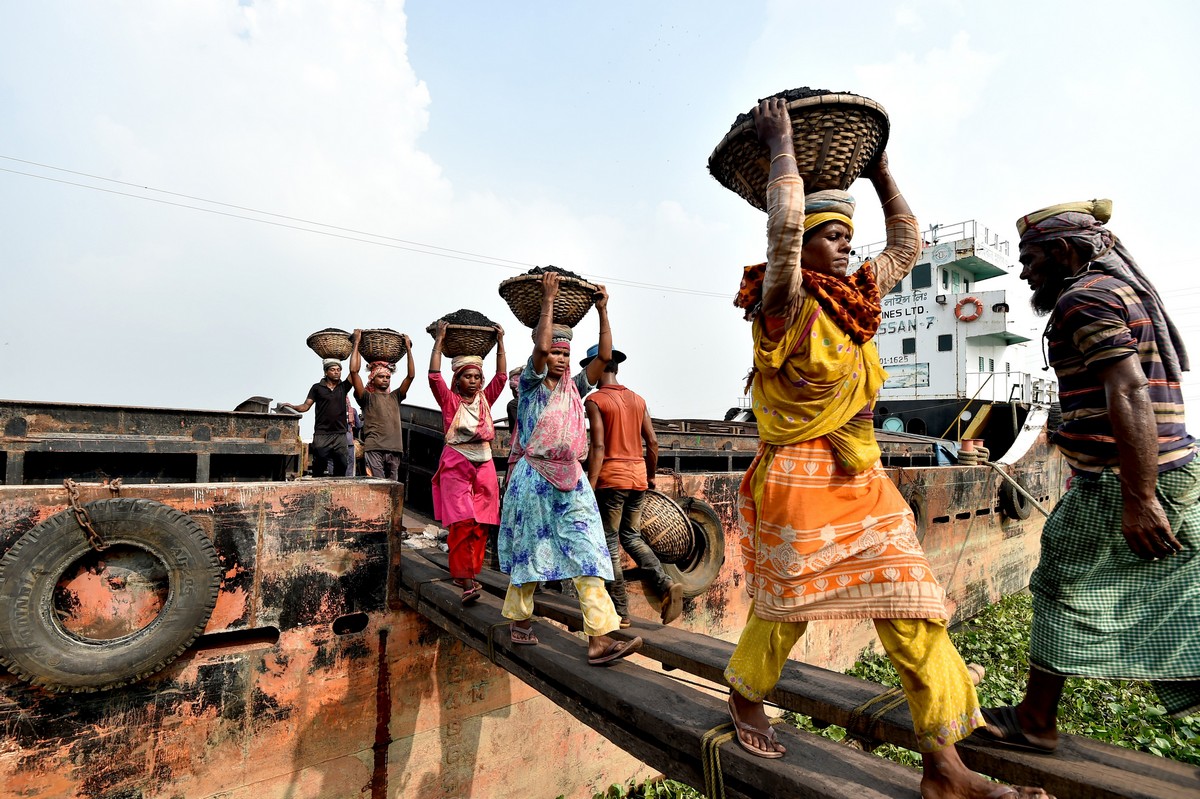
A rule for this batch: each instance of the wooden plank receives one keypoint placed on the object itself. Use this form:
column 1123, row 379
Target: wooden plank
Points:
column 648, row 714
column 1081, row 767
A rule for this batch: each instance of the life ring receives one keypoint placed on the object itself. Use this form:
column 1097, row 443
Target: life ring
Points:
column 968, row 317
column 36, row 644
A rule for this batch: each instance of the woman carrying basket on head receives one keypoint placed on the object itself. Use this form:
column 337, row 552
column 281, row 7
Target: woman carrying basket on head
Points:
column 550, row 528
column 825, row 533
column 466, row 495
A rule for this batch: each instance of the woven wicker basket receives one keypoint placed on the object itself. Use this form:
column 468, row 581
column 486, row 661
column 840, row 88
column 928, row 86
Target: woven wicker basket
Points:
column 331, row 343
column 381, row 344
column 666, row 527
column 835, row 137
column 465, row 339
column 523, row 294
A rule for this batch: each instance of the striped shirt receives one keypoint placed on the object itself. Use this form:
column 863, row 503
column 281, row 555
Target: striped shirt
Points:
column 1097, row 319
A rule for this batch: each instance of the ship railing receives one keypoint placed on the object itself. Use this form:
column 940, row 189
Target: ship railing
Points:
column 981, row 235
column 999, row 386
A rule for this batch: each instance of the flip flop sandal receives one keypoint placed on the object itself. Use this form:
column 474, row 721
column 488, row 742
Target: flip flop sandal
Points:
column 741, row 726
column 1005, row 720
column 522, row 635
column 672, row 604
column 615, row 651
column 471, row 594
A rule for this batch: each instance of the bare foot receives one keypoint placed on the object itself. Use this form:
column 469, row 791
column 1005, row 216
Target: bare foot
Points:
column 946, row 777
column 752, row 713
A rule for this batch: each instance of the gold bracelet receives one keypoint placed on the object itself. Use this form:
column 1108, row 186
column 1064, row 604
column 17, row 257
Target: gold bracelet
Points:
column 889, row 199
column 782, row 155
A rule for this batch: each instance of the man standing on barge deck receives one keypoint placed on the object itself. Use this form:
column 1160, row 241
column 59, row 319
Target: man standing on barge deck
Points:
column 620, row 475
column 329, row 432
column 1116, row 593
column 383, row 444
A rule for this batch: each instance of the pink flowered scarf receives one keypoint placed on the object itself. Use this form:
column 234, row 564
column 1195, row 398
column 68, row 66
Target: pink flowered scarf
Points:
column 559, row 440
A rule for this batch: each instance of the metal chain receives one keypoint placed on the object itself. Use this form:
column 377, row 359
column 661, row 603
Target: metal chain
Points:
column 82, row 517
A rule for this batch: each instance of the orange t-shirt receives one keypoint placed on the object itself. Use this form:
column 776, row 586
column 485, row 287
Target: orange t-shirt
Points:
column 622, row 411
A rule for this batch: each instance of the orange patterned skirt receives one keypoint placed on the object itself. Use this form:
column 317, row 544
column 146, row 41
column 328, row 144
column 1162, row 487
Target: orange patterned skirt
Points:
column 822, row 544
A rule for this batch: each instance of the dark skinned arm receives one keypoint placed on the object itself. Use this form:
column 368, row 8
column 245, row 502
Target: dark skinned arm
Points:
column 301, row 408
column 651, row 441
column 542, row 334
column 435, row 357
column 1143, row 523
column 596, row 450
column 604, row 348
column 356, row 366
column 501, row 359
column 412, row 369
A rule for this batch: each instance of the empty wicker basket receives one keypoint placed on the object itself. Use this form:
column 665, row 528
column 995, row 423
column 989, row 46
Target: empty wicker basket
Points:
column 835, row 136
column 331, row 343
column 523, row 294
column 381, row 344
column 465, row 339
column 666, row 527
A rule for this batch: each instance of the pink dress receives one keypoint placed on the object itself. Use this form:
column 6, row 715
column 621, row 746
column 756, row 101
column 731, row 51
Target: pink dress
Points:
column 465, row 485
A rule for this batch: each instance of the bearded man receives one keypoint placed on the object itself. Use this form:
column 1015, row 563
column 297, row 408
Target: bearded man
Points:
column 1116, row 593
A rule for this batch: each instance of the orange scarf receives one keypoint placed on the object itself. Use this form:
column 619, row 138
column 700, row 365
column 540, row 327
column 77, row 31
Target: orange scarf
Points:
column 852, row 302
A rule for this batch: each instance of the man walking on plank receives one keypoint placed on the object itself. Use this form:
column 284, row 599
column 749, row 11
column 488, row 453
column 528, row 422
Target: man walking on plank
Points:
column 1116, row 593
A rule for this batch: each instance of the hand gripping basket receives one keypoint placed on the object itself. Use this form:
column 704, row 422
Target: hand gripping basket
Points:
column 381, row 344
column 836, row 135
column 331, row 343
column 523, row 294
column 465, row 339
column 666, row 527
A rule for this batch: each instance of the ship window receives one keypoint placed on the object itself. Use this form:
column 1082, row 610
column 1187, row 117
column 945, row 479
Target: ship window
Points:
column 1007, row 367
column 945, row 279
column 908, row 346
column 981, row 363
column 956, row 280
column 991, row 365
column 922, row 276
column 946, row 342
column 966, row 284
column 899, row 287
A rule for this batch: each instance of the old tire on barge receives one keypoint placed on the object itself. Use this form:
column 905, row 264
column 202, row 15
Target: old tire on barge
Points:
column 697, row 570
column 36, row 642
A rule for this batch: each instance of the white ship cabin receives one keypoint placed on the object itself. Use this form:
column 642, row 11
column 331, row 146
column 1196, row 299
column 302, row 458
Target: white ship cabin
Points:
column 957, row 336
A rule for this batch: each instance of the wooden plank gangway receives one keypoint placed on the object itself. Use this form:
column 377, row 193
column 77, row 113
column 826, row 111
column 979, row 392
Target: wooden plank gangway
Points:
column 663, row 721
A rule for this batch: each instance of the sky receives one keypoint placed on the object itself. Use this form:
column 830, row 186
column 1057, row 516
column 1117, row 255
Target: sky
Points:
column 187, row 190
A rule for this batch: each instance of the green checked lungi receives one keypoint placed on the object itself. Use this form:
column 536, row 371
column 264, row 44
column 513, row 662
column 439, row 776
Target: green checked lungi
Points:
column 1101, row 611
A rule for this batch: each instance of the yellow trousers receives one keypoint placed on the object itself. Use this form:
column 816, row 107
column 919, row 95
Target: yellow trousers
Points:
column 599, row 615
column 936, row 683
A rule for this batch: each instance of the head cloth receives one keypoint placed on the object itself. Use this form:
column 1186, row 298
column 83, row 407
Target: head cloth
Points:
column 1082, row 223
column 830, row 205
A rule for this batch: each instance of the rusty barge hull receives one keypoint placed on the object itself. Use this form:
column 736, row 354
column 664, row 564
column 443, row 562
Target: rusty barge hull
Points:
column 311, row 679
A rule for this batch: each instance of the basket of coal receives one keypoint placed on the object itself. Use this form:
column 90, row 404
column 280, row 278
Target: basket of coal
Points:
column 467, row 333
column 523, row 294
column 666, row 527
column 381, row 344
column 331, row 343
column 835, row 135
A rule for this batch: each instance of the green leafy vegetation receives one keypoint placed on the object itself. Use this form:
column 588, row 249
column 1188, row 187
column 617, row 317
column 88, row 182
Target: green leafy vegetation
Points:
column 1118, row 712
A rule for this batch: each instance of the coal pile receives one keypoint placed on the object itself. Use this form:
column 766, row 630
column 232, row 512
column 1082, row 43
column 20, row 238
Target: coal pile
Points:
column 541, row 270
column 789, row 95
column 464, row 316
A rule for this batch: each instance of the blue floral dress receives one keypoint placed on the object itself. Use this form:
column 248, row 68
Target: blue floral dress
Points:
column 548, row 534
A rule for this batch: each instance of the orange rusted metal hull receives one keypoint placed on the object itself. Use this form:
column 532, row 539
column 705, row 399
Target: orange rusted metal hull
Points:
column 308, row 682
column 312, row 682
